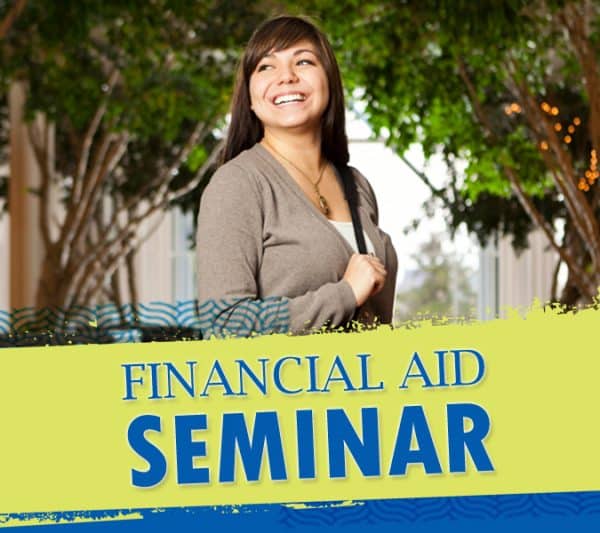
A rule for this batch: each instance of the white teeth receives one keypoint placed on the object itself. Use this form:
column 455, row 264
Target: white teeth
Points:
column 289, row 98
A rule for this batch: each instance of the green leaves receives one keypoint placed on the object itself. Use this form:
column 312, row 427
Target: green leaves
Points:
column 197, row 156
column 442, row 73
column 175, row 61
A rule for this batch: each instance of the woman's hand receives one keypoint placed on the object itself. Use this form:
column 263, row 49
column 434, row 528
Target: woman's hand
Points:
column 366, row 275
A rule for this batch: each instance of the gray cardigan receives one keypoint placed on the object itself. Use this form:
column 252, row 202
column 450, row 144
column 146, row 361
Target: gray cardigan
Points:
column 270, row 261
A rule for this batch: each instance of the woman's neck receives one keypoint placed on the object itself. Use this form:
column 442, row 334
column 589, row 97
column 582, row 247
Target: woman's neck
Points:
column 304, row 150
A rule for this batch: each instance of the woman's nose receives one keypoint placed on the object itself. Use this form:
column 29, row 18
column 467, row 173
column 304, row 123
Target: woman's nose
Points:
column 288, row 75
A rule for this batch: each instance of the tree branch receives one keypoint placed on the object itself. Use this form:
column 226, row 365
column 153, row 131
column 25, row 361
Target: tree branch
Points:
column 438, row 193
column 583, row 280
column 109, row 163
column 199, row 176
column 78, row 202
column 576, row 23
column 554, row 288
column 114, row 246
column 587, row 286
column 488, row 130
column 578, row 207
column 110, row 263
column 40, row 150
column 84, row 153
column 164, row 179
column 132, row 280
column 112, row 152
column 10, row 17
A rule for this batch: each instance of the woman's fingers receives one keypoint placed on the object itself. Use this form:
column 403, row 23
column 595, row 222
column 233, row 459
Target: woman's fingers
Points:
column 378, row 265
column 366, row 275
column 381, row 274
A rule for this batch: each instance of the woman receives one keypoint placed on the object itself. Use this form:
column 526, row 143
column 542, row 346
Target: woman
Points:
column 277, row 247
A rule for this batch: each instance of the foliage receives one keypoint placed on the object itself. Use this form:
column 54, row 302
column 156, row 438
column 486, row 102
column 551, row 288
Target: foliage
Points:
column 487, row 83
column 132, row 94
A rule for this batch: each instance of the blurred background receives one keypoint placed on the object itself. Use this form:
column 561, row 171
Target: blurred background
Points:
column 477, row 124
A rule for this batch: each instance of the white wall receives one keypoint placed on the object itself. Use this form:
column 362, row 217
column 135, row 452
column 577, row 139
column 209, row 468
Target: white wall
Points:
column 153, row 262
column 511, row 281
column 528, row 276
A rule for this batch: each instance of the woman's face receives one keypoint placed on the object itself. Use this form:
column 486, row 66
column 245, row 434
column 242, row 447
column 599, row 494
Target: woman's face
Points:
column 289, row 89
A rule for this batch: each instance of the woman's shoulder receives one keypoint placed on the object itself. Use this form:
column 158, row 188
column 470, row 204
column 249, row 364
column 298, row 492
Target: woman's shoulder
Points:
column 235, row 182
column 243, row 164
column 237, row 175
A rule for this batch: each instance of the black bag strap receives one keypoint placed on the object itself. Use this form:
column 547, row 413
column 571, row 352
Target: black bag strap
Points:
column 351, row 194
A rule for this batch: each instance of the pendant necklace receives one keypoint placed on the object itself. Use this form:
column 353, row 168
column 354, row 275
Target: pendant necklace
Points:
column 323, row 205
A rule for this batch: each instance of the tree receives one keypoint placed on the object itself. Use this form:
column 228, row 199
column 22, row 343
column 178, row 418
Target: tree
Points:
column 512, row 88
column 132, row 94
column 3, row 152
column 440, row 286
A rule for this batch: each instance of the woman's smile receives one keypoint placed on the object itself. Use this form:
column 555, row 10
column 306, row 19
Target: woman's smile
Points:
column 289, row 98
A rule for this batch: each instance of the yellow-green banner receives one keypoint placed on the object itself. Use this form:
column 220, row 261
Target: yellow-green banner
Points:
column 500, row 407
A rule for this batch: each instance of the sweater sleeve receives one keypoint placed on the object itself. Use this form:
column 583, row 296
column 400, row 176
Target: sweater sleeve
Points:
column 229, row 249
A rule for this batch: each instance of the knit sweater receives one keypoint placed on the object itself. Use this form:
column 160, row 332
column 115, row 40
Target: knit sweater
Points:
column 270, row 261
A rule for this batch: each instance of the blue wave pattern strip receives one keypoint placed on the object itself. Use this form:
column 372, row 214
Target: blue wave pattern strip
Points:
column 241, row 317
column 439, row 513
column 237, row 317
column 407, row 511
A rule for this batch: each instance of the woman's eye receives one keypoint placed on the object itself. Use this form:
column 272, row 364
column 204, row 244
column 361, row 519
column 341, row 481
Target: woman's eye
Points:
column 263, row 67
column 306, row 62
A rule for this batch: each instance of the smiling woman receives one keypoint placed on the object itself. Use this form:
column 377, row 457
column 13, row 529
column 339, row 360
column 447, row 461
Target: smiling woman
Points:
column 287, row 232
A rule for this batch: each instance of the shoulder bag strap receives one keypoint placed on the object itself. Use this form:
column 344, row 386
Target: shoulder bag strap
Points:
column 351, row 194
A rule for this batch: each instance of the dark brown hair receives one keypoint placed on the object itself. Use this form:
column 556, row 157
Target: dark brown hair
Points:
column 275, row 34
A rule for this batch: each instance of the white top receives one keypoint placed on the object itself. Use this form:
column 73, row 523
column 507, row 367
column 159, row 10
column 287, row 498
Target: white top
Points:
column 347, row 231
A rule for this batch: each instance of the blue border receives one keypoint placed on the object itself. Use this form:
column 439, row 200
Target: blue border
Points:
column 572, row 511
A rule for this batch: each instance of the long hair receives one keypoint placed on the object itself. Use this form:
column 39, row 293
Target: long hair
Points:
column 275, row 34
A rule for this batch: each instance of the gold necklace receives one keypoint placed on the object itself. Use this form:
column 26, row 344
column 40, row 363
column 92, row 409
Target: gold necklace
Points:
column 323, row 205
